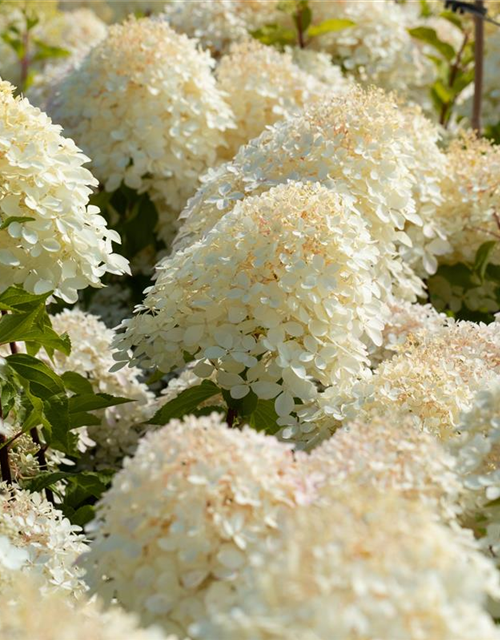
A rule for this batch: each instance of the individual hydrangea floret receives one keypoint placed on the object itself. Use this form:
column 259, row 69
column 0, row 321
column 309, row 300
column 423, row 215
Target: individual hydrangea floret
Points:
column 91, row 356
column 364, row 144
column 276, row 298
column 262, row 86
column 64, row 244
column 433, row 379
column 28, row 615
column 51, row 542
column 183, row 517
column 145, row 106
column 364, row 564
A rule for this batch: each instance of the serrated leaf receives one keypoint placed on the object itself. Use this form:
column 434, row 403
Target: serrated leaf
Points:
column 43, row 382
column 8, row 221
column 57, row 425
column 94, row 401
column 430, row 37
column 17, row 298
column 329, row 26
column 77, row 383
column 15, row 327
column 186, row 402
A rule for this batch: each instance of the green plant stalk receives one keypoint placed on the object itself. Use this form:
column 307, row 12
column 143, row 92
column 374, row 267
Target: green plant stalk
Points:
column 447, row 108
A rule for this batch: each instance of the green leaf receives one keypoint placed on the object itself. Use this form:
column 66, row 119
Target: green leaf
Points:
column 84, row 419
column 444, row 93
column 186, row 402
column 430, row 37
column 57, row 425
column 275, row 35
column 17, row 298
column 15, row 327
column 8, row 221
column 327, row 26
column 45, row 51
column 83, row 515
column 44, row 382
column 94, row 401
column 452, row 17
column 75, row 382
column 303, row 18
column 482, row 258
column 264, row 417
column 45, row 480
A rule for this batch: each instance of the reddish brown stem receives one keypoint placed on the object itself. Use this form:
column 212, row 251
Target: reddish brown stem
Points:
column 4, row 454
column 231, row 417
column 42, row 461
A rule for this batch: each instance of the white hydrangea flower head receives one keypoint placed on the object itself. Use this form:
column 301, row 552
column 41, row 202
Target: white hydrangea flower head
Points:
column 362, row 565
column 477, row 451
column 91, row 356
column 216, row 24
column 262, row 86
column 378, row 49
column 184, row 515
column 64, row 245
column 145, row 106
column 51, row 542
column 73, row 30
column 276, row 298
column 364, row 144
column 433, row 379
column 319, row 65
column 27, row 615
column 471, row 190
column 405, row 319
column 390, row 456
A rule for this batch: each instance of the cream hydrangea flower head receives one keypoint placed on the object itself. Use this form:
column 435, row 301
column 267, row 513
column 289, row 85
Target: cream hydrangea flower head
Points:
column 262, row 86
column 64, row 245
column 433, row 379
column 184, row 515
column 276, row 298
column 219, row 23
column 405, row 319
column 91, row 356
column 471, row 208
column 26, row 615
column 51, row 542
column 362, row 565
column 364, row 145
column 378, row 49
column 390, row 455
column 144, row 105
column 319, row 65
column 477, row 450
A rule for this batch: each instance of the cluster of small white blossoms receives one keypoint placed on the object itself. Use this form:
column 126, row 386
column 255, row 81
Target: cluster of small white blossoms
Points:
column 219, row 23
column 364, row 564
column 276, row 298
column 405, row 319
column 145, row 106
column 51, row 542
column 64, row 245
column 29, row 615
column 477, row 452
column 73, row 30
column 470, row 212
column 262, row 86
column 378, row 49
column 100, row 7
column 389, row 455
column 319, row 65
column 432, row 380
column 363, row 144
column 91, row 356
column 181, row 520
